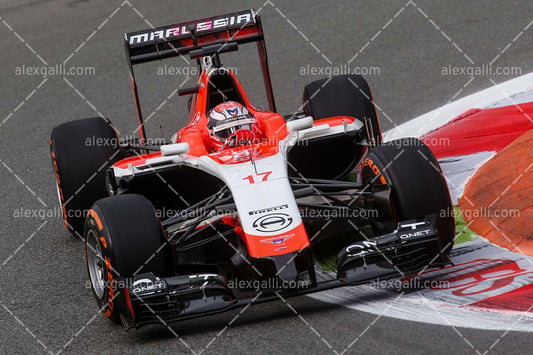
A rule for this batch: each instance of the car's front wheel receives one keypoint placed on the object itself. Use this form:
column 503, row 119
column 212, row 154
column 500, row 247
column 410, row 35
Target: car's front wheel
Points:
column 123, row 238
column 418, row 186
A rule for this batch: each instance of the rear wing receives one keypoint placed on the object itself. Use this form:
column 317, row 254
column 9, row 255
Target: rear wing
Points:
column 190, row 38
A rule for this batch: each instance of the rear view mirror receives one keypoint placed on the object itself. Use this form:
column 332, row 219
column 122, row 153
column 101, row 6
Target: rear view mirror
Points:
column 175, row 149
column 299, row 125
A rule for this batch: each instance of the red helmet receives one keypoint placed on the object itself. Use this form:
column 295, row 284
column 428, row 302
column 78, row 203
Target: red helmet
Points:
column 227, row 118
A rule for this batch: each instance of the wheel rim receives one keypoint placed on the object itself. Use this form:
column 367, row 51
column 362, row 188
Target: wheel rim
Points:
column 96, row 264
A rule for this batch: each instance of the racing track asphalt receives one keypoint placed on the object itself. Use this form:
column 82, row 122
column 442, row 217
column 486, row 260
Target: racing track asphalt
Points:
column 45, row 304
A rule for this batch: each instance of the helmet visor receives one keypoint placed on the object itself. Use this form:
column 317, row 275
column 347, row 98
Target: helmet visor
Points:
column 225, row 130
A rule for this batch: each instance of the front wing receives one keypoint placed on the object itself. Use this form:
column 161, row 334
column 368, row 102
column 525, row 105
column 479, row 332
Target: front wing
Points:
column 153, row 300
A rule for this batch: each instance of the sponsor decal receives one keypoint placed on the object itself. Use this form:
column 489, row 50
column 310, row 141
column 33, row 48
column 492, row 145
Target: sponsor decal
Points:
column 415, row 234
column 147, row 286
column 268, row 209
column 233, row 111
column 272, row 222
column 414, row 230
column 233, row 156
column 172, row 32
column 361, row 248
column 111, row 290
column 110, row 281
column 277, row 240
column 370, row 163
column 412, row 225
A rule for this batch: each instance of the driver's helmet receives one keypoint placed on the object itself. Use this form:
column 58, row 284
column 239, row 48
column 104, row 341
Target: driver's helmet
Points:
column 227, row 118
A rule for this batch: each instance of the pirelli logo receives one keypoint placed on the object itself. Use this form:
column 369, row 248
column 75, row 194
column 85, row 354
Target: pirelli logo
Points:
column 269, row 209
column 168, row 33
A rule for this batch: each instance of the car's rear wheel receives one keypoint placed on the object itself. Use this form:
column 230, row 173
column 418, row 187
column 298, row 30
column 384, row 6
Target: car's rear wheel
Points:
column 342, row 95
column 418, row 186
column 81, row 152
column 123, row 237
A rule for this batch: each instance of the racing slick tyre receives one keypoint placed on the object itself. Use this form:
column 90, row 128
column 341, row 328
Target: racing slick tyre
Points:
column 123, row 237
column 418, row 186
column 81, row 152
column 342, row 95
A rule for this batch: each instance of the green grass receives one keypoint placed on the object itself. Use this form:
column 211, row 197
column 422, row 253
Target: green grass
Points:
column 463, row 233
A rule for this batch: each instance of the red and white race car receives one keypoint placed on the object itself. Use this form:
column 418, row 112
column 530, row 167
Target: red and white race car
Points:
column 243, row 205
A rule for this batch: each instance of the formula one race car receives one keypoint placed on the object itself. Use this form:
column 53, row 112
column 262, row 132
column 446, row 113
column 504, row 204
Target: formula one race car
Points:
column 242, row 205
